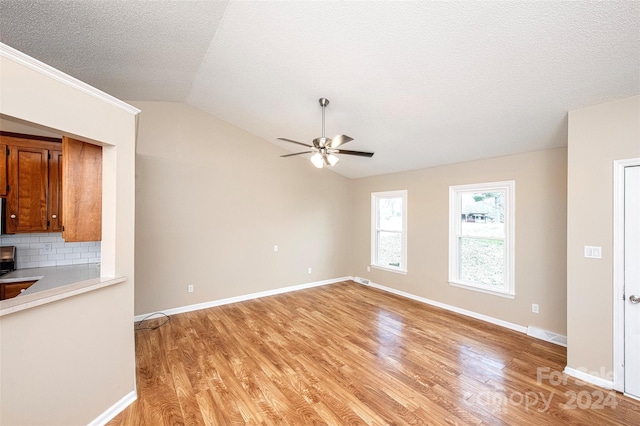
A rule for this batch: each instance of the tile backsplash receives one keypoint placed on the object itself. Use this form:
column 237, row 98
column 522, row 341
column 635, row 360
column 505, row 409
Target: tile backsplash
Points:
column 32, row 253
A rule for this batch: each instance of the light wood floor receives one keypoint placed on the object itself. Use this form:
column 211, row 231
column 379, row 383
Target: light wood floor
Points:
column 349, row 354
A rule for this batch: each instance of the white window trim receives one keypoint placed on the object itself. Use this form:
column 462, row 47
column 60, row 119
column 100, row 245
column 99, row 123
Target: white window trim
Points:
column 509, row 239
column 374, row 230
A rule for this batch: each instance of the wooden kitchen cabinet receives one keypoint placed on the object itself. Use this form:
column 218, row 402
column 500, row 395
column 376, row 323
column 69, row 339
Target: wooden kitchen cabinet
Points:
column 3, row 170
column 55, row 191
column 52, row 185
column 81, row 190
column 33, row 194
column 27, row 196
column 9, row 290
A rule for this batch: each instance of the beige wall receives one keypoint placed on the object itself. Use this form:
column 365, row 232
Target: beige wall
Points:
column 66, row 362
column 540, row 269
column 9, row 125
column 212, row 201
column 598, row 135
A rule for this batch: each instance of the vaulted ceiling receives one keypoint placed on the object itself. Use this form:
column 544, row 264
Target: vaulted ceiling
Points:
column 421, row 83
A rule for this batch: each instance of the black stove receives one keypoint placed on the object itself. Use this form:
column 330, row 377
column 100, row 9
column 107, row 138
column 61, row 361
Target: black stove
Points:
column 7, row 259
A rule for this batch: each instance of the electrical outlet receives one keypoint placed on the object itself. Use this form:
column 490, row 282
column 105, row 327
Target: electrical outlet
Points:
column 190, row 288
column 535, row 308
column 46, row 248
column 275, row 248
column 368, row 268
column 309, row 270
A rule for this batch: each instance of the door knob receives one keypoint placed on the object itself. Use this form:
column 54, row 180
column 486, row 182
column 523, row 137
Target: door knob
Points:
column 634, row 299
column 54, row 216
column 13, row 216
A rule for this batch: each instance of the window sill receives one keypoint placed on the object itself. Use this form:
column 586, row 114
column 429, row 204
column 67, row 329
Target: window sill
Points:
column 397, row 271
column 483, row 290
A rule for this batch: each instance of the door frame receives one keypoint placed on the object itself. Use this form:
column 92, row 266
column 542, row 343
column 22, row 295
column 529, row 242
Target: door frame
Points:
column 618, row 270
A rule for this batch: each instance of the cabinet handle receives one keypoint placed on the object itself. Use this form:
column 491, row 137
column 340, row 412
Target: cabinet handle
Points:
column 13, row 216
column 54, row 216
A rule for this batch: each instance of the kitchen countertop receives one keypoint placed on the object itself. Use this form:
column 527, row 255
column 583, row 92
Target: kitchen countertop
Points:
column 52, row 277
column 53, row 283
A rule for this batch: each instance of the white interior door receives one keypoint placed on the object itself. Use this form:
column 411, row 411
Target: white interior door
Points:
column 632, row 280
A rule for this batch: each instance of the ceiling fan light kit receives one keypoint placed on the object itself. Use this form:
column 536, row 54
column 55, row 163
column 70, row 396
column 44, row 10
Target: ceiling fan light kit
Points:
column 316, row 159
column 323, row 148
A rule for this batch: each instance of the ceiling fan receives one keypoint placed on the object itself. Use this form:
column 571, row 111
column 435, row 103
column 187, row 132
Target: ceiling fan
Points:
column 323, row 148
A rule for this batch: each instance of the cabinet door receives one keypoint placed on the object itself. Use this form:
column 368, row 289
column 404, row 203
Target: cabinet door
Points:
column 81, row 190
column 3, row 170
column 27, row 200
column 10, row 290
column 55, row 191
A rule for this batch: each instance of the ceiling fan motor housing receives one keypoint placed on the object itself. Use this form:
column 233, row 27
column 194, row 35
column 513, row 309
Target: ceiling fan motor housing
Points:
column 321, row 142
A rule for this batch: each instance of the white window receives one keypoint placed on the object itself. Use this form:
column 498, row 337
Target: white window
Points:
column 481, row 237
column 389, row 230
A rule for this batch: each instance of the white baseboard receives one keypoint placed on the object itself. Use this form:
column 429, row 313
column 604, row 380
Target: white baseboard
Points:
column 589, row 378
column 531, row 331
column 114, row 410
column 451, row 308
column 631, row 396
column 242, row 298
column 538, row 333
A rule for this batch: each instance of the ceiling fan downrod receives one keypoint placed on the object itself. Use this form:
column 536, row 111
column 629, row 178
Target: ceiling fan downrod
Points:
column 323, row 103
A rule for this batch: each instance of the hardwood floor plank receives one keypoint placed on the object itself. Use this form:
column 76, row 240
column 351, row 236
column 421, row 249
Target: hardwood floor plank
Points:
column 346, row 354
column 184, row 391
column 212, row 415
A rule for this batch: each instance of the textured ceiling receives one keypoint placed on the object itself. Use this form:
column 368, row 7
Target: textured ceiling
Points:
column 133, row 50
column 420, row 83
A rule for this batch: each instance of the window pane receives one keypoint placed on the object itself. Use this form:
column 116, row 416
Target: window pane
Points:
column 482, row 214
column 389, row 248
column 390, row 214
column 482, row 261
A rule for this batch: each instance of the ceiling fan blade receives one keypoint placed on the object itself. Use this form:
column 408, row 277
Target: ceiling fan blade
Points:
column 339, row 140
column 292, row 141
column 326, row 160
column 358, row 153
column 296, row 153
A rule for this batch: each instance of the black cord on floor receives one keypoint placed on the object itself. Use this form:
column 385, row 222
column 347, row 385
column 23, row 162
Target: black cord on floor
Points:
column 140, row 327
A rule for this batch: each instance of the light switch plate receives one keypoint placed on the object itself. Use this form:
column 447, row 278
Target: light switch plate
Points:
column 593, row 252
